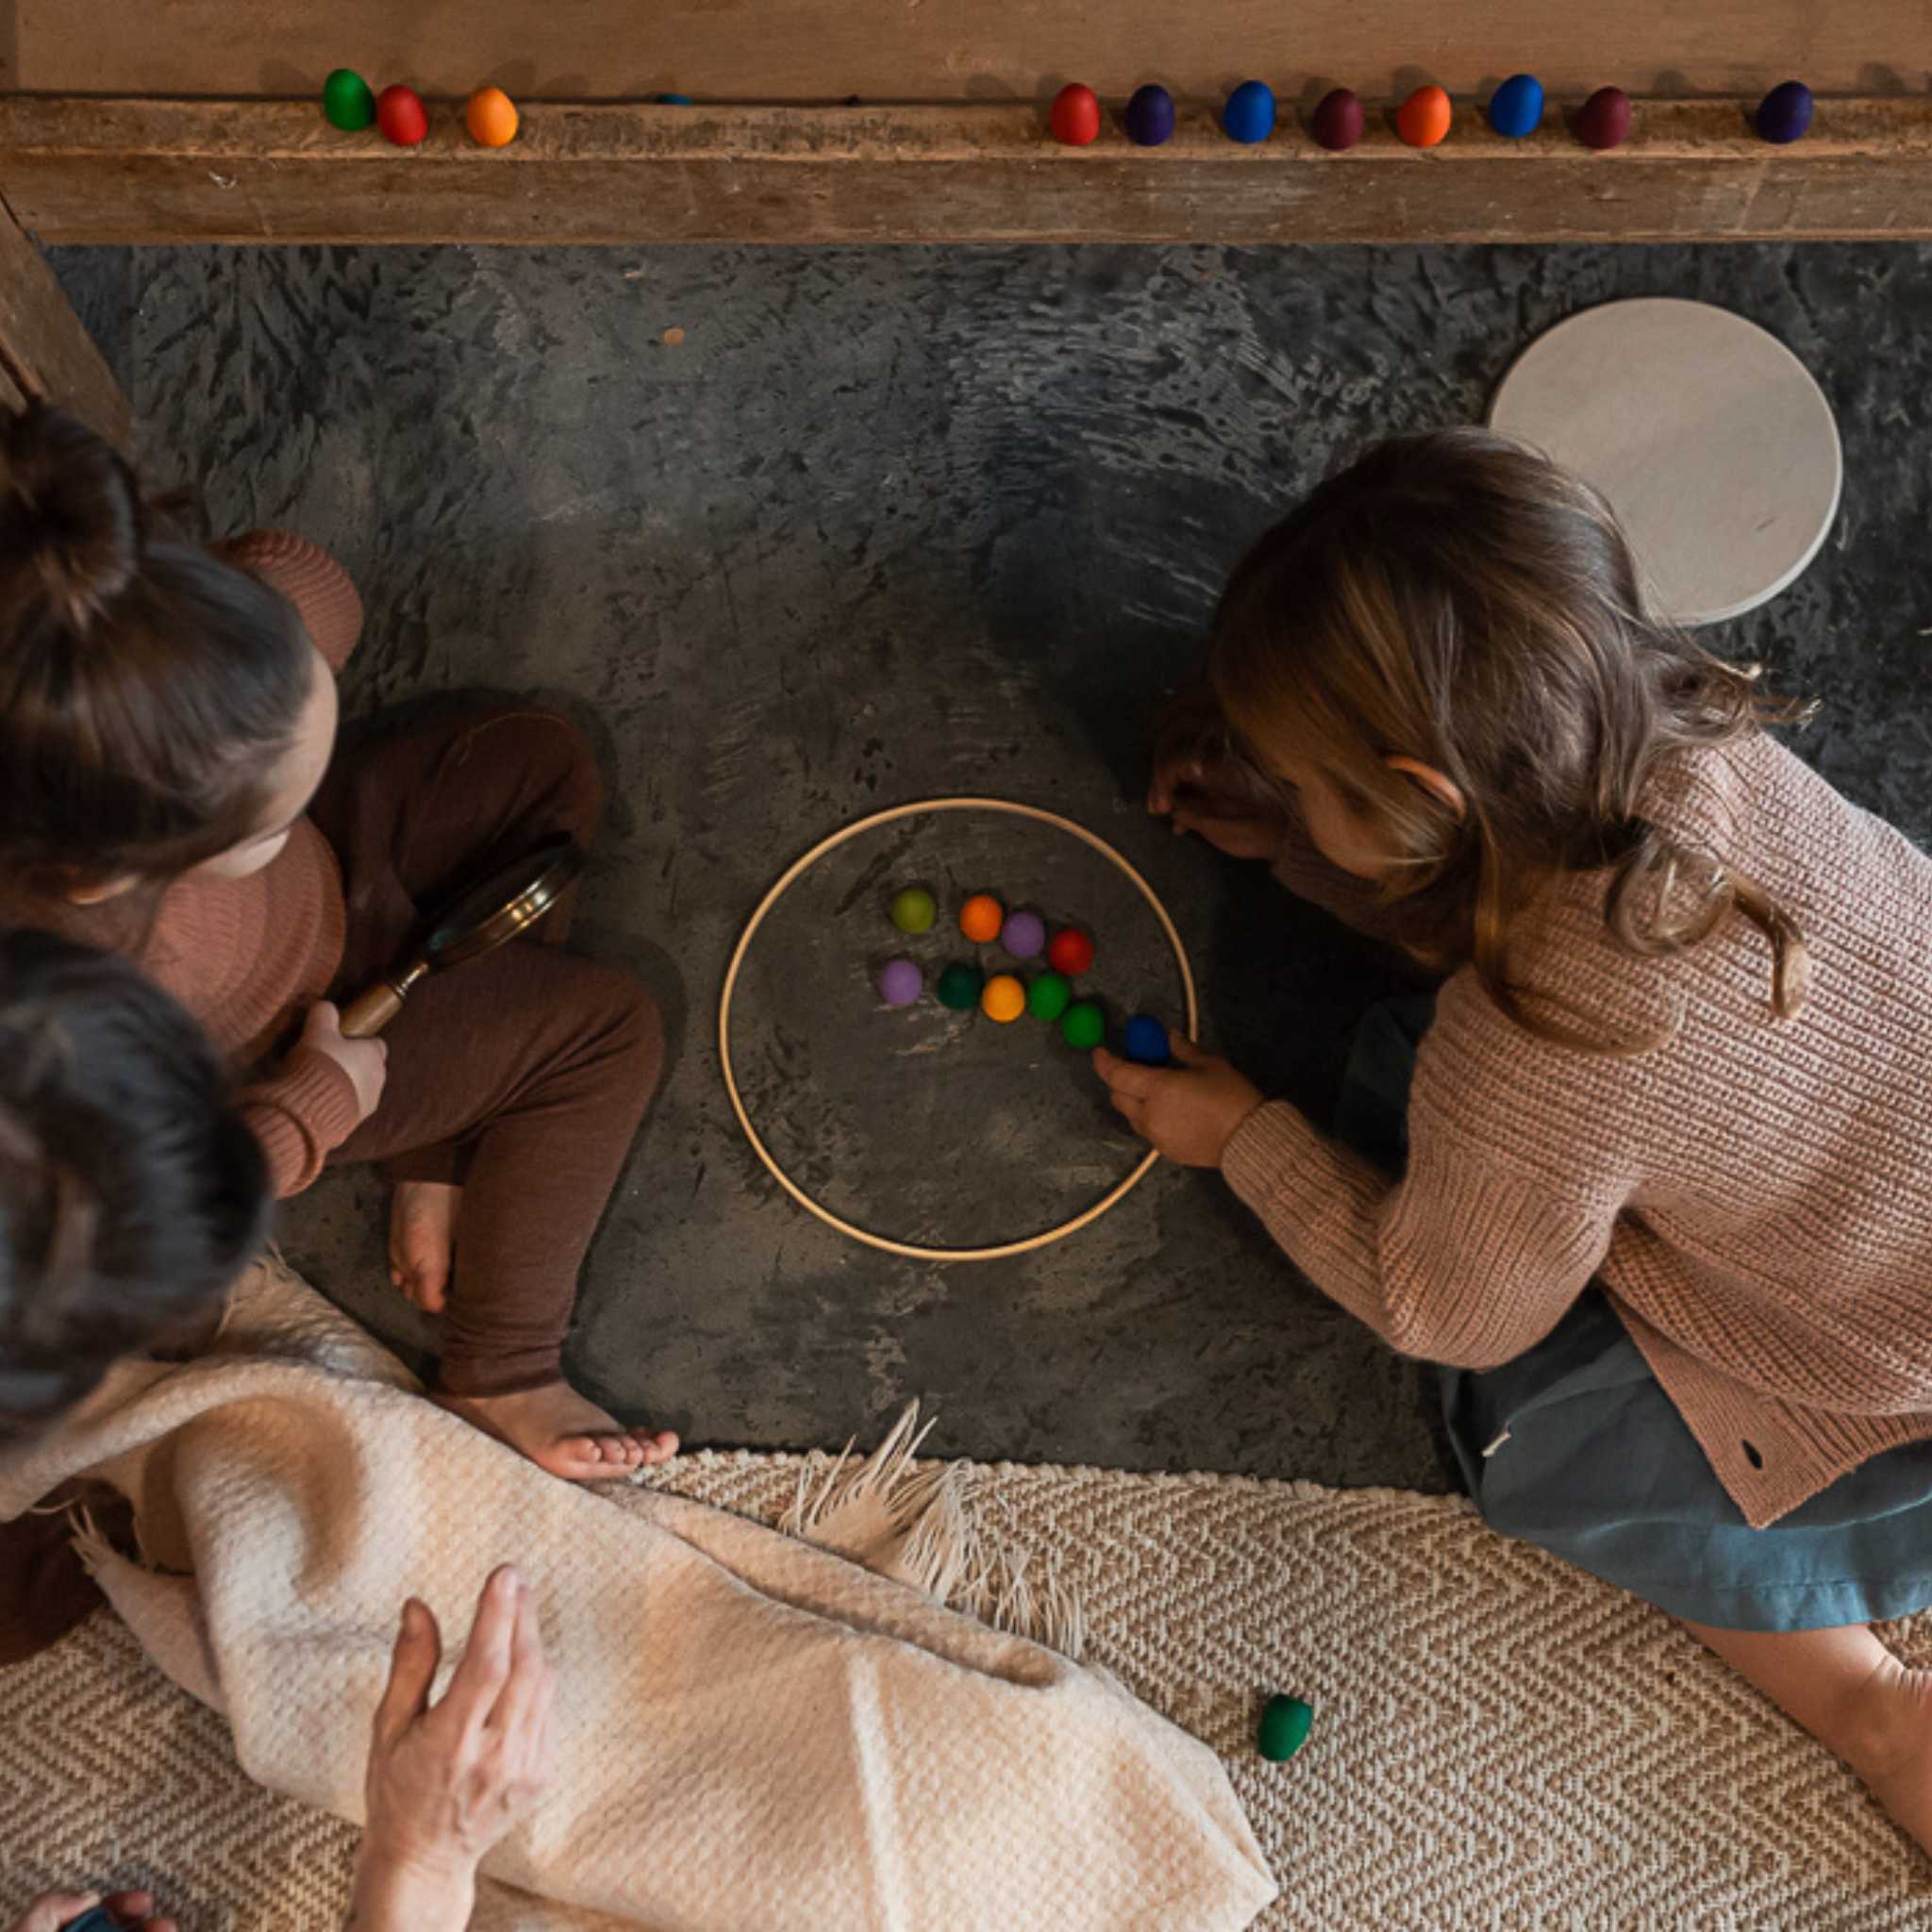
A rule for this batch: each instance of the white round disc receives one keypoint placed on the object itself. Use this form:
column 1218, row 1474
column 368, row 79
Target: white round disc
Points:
column 1711, row 441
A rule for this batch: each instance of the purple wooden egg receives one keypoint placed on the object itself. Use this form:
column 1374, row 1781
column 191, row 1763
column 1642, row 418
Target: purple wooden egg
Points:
column 1338, row 120
column 1785, row 113
column 1604, row 120
column 1149, row 117
column 900, row 982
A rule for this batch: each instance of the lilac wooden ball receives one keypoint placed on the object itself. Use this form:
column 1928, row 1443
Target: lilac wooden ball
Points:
column 1024, row 934
column 900, row 982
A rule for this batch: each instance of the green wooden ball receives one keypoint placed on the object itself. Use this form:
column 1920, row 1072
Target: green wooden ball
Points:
column 1285, row 1727
column 1083, row 1026
column 1047, row 997
column 958, row 988
column 346, row 100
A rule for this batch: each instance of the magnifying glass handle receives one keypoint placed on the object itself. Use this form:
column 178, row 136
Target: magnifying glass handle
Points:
column 371, row 1011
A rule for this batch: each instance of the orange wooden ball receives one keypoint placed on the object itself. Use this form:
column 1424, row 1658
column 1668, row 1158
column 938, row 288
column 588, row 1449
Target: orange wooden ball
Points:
column 981, row 918
column 1423, row 118
column 490, row 117
column 1004, row 998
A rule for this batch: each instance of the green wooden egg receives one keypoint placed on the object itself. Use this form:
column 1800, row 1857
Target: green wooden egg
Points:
column 346, row 100
column 1284, row 1728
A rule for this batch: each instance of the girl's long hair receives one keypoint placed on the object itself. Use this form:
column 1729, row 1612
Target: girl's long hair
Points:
column 1456, row 599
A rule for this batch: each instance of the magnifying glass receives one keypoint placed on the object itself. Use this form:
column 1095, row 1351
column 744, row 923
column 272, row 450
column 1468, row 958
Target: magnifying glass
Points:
column 509, row 902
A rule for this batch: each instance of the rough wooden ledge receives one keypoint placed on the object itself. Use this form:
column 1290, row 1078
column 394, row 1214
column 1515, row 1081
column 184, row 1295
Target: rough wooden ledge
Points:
column 172, row 170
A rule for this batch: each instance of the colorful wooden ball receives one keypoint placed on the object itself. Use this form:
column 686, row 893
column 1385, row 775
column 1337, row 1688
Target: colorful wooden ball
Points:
column 1075, row 114
column 348, row 102
column 1145, row 1040
column 914, row 910
column 400, row 115
column 1071, row 953
column 1249, row 115
column 1285, row 1727
column 1423, row 120
column 1049, row 997
column 1023, row 935
column 492, row 117
column 1516, row 109
column 1604, row 120
column 1083, row 1026
column 958, row 988
column 1149, row 117
column 1338, row 121
column 900, row 982
column 1784, row 114
column 1004, row 998
column 981, row 918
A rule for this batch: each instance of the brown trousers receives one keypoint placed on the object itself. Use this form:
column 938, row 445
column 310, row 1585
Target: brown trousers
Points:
column 522, row 1074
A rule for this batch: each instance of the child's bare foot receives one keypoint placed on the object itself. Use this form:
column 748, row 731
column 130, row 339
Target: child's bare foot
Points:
column 423, row 1240
column 564, row 1432
column 1888, row 1741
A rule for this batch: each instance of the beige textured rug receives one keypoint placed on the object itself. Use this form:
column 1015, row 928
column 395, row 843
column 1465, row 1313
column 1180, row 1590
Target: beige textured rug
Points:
column 1498, row 1740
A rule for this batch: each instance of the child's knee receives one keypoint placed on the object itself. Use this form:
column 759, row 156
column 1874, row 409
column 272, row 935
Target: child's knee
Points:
column 557, row 775
column 632, row 1030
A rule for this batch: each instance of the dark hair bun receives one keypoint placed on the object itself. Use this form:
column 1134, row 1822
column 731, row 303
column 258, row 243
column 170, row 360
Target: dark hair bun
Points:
column 70, row 512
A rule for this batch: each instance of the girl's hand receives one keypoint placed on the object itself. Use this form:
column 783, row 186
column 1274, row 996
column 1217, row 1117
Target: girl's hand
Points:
column 446, row 1781
column 365, row 1061
column 1189, row 1111
column 54, row 1909
column 1204, row 786
column 1226, row 823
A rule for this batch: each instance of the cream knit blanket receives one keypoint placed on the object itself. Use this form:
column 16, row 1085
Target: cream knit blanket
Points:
column 755, row 1732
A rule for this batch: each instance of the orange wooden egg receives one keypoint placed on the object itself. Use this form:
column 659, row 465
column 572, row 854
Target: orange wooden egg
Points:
column 1423, row 118
column 981, row 918
column 490, row 117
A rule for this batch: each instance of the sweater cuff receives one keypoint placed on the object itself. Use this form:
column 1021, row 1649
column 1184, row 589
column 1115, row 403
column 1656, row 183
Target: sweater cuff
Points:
column 1271, row 1157
column 301, row 1116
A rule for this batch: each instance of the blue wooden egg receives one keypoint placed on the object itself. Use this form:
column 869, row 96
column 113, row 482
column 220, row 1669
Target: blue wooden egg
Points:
column 1785, row 113
column 1149, row 118
column 1516, row 107
column 1249, row 115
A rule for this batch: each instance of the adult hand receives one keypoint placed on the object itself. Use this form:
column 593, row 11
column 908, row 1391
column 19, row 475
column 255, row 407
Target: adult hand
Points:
column 1189, row 1111
column 54, row 1909
column 447, row 1781
column 365, row 1061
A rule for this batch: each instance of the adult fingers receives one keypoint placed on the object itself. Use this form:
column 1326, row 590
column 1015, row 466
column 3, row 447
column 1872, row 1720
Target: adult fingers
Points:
column 53, row 1909
column 485, row 1669
column 528, row 1684
column 411, row 1670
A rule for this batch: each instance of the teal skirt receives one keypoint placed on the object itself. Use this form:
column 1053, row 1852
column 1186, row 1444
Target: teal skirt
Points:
column 1575, row 1446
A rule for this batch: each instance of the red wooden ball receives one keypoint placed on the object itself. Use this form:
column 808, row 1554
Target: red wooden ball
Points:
column 1075, row 114
column 1604, row 120
column 1338, row 122
column 400, row 115
column 1072, row 951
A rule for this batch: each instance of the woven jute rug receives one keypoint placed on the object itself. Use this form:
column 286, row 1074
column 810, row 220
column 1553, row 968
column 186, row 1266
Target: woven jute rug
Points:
column 1498, row 1740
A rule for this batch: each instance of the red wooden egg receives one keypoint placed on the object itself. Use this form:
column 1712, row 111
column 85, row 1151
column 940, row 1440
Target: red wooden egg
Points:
column 1604, row 120
column 1075, row 114
column 400, row 115
column 1071, row 953
column 1338, row 121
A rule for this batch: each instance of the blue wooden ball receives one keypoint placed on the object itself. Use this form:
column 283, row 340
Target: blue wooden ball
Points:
column 1785, row 113
column 1516, row 109
column 1146, row 1041
column 1149, row 118
column 1249, row 115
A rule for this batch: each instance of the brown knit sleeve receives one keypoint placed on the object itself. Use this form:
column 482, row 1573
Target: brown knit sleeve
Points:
column 1461, row 1262
column 301, row 1114
column 318, row 587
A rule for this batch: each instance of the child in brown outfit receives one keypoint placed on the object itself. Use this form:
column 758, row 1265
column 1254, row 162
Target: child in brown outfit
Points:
column 169, row 787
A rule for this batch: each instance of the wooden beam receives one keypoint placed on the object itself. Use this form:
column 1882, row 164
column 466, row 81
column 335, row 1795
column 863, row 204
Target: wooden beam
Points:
column 46, row 350
column 902, row 50
column 264, row 170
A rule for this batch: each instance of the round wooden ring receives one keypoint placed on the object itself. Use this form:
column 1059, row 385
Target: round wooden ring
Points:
column 912, row 1250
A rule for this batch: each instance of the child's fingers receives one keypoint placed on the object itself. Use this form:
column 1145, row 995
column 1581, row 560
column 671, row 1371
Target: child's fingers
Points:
column 1184, row 1049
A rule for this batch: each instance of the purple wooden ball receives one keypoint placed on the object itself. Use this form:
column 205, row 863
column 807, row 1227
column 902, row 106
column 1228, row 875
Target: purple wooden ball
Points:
column 1785, row 113
column 1023, row 935
column 900, row 982
column 1149, row 118
column 1338, row 121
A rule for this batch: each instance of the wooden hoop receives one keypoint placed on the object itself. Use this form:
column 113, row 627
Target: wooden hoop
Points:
column 910, row 1250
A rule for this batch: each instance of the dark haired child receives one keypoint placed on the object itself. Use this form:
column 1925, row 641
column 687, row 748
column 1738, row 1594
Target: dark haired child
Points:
column 170, row 787
column 1660, row 1190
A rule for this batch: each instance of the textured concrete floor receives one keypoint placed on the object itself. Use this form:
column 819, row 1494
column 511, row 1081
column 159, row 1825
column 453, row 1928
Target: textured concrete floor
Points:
column 897, row 522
